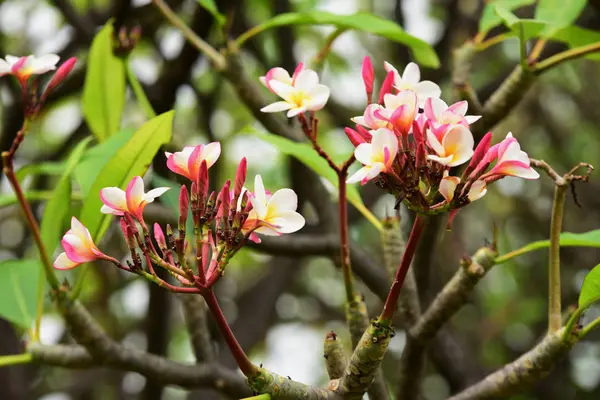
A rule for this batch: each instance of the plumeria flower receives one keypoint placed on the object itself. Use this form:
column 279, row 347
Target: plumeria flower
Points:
column 449, row 183
column 376, row 156
column 306, row 94
column 281, row 75
column 273, row 215
column 398, row 113
column 23, row 67
column 411, row 79
column 512, row 161
column 455, row 147
column 441, row 116
column 187, row 161
column 369, row 120
column 79, row 247
column 132, row 200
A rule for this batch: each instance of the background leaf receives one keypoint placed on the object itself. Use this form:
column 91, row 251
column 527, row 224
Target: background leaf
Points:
column 490, row 19
column 18, row 289
column 572, row 36
column 304, row 153
column 364, row 22
column 103, row 97
column 43, row 168
column 96, row 158
column 131, row 160
column 211, row 7
column 590, row 290
column 60, row 203
column 559, row 13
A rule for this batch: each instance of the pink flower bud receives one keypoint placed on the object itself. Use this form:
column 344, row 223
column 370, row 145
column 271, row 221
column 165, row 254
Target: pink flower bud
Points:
column 354, row 137
column 368, row 76
column 386, row 86
column 159, row 236
column 202, row 181
column 59, row 76
column 481, row 150
column 225, row 201
column 240, row 178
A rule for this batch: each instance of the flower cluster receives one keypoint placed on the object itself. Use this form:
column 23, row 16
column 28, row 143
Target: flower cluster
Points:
column 25, row 70
column 222, row 221
column 410, row 140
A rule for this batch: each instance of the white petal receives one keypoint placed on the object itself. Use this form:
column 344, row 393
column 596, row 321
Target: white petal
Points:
column 154, row 193
column 107, row 210
column 283, row 200
column 381, row 139
column 211, row 153
column 472, row 118
column 260, row 197
column 374, row 171
column 364, row 153
column 114, row 197
column 282, row 90
column 425, row 90
column 447, row 187
column 295, row 111
column 441, row 160
column 135, row 192
column 288, row 222
column 63, row 262
column 438, row 106
column 435, row 144
column 277, row 107
column 5, row 67
column 477, row 191
column 359, row 175
column 79, row 230
column 411, row 73
column 12, row 60
column 45, row 63
column 318, row 97
column 306, row 80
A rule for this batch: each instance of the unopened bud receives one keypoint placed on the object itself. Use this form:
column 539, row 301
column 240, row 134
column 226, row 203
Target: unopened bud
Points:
column 240, row 178
column 479, row 154
column 354, row 137
column 127, row 234
column 159, row 236
column 386, row 86
column 368, row 76
column 59, row 76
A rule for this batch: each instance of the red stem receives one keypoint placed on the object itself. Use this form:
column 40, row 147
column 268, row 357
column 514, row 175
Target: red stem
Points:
column 389, row 308
column 248, row 369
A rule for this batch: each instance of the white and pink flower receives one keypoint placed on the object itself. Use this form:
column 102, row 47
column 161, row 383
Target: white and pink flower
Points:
column 23, row 67
column 511, row 161
column 302, row 95
column 79, row 247
column 272, row 215
column 411, row 79
column 454, row 148
column 280, row 75
column 133, row 200
column 187, row 162
column 442, row 117
column 376, row 157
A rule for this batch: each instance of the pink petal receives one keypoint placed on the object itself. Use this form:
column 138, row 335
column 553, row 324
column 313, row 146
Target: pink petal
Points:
column 114, row 198
column 134, row 194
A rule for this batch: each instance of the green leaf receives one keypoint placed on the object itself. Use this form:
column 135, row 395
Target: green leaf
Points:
column 131, row 160
column 44, row 168
column 103, row 97
column 304, row 153
column 572, row 36
column 58, row 207
column 211, row 7
column 559, row 13
column 96, row 158
column 567, row 239
column 489, row 17
column 364, row 22
column 590, row 290
column 18, row 285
